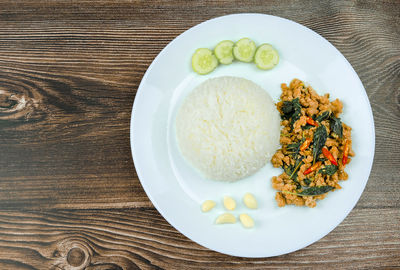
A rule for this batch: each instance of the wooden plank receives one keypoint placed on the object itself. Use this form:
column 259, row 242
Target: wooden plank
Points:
column 74, row 70
column 141, row 238
column 69, row 72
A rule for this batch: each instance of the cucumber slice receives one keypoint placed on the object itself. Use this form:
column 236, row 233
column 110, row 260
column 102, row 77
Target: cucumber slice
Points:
column 266, row 56
column 223, row 52
column 244, row 50
column 204, row 61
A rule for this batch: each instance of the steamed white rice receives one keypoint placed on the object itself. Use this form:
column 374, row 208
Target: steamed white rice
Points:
column 228, row 128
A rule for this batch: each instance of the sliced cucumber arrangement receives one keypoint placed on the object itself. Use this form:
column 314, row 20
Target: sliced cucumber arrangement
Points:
column 245, row 50
column 266, row 57
column 204, row 61
column 223, row 52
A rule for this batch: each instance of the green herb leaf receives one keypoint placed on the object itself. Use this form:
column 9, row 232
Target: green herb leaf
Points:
column 291, row 110
column 314, row 191
column 296, row 168
column 320, row 137
column 294, row 148
column 288, row 169
column 297, row 110
column 287, row 109
column 307, row 126
column 325, row 115
column 336, row 126
column 291, row 171
column 307, row 181
column 328, row 170
column 298, row 186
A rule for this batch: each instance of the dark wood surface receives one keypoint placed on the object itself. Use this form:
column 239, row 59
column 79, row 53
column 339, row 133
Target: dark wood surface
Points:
column 69, row 194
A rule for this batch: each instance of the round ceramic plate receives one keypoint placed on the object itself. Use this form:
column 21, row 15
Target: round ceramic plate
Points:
column 177, row 190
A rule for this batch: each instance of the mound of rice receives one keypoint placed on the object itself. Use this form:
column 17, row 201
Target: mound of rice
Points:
column 228, row 128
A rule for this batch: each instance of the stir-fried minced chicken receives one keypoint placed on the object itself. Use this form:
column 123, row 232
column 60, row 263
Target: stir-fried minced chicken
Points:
column 316, row 146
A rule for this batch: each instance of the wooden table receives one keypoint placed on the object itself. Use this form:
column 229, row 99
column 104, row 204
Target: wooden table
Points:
column 69, row 194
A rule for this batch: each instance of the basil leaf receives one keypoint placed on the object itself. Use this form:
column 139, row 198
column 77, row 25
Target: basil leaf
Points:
column 296, row 111
column 320, row 137
column 314, row 191
column 294, row 148
column 287, row 109
column 307, row 181
column 291, row 110
column 328, row 170
column 298, row 185
column 292, row 171
column 336, row 126
column 288, row 169
column 296, row 168
column 307, row 126
column 325, row 115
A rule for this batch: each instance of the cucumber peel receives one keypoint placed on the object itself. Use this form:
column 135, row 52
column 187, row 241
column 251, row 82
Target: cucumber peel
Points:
column 244, row 50
column 266, row 57
column 204, row 61
column 223, row 52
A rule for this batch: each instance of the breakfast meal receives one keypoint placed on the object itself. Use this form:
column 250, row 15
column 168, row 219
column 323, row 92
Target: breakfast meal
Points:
column 227, row 128
column 245, row 50
column 316, row 146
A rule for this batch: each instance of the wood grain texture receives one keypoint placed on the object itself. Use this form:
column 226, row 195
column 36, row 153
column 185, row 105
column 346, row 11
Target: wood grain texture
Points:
column 69, row 71
column 68, row 85
column 141, row 238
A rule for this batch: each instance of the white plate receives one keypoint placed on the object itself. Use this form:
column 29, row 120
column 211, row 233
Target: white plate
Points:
column 177, row 190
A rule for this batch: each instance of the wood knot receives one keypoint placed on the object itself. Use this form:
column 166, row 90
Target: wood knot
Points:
column 73, row 254
column 76, row 257
column 21, row 98
column 17, row 104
